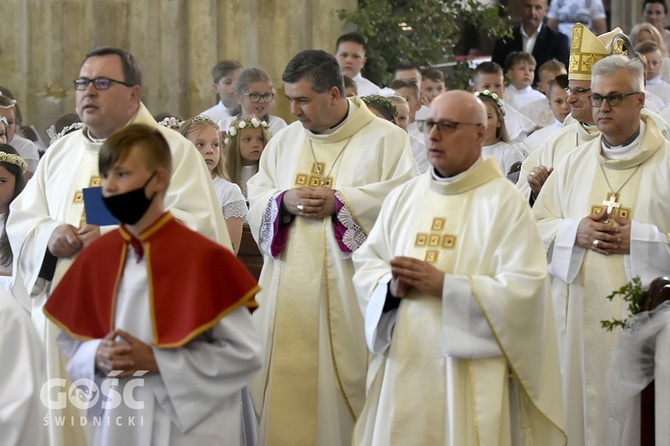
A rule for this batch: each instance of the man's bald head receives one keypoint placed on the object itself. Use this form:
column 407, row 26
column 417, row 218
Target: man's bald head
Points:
column 455, row 131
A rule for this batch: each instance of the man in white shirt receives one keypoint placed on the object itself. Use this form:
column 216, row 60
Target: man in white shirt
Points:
column 350, row 55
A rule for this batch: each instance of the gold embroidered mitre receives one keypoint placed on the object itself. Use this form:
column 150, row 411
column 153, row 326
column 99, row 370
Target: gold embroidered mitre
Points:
column 586, row 49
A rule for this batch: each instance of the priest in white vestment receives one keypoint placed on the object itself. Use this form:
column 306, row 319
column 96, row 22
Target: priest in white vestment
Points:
column 604, row 220
column 317, row 193
column 453, row 285
column 47, row 225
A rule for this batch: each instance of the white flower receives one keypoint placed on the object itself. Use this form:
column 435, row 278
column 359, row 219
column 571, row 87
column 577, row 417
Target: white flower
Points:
column 264, row 124
column 232, row 131
column 226, row 141
column 255, row 122
column 242, row 124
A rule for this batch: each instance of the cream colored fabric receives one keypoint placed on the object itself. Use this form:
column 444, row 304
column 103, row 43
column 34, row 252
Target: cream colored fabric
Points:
column 480, row 365
column 582, row 278
column 307, row 289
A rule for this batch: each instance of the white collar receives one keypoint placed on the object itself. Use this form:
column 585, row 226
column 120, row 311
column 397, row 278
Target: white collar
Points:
column 621, row 152
column 450, row 180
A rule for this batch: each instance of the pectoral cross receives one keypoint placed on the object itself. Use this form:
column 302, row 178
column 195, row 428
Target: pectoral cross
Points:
column 611, row 203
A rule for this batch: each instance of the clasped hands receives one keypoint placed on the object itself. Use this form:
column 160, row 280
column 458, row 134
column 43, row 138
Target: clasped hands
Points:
column 67, row 240
column 537, row 177
column 408, row 272
column 593, row 233
column 310, row 202
column 128, row 357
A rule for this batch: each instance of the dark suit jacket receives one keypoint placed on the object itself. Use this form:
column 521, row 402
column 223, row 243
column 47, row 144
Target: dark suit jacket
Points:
column 549, row 45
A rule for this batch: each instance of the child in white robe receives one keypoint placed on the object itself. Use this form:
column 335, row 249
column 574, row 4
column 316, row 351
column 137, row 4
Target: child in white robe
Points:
column 162, row 349
column 12, row 168
column 496, row 144
column 204, row 134
column 255, row 94
column 244, row 142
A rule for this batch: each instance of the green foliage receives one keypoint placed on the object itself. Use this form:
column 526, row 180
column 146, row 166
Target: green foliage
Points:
column 634, row 294
column 431, row 28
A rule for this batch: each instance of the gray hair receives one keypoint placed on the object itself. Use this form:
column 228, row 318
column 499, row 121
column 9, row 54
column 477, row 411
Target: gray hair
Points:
column 611, row 64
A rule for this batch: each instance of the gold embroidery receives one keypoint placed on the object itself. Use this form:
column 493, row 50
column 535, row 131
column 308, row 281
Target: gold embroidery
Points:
column 435, row 239
column 78, row 197
column 314, row 179
column 95, row 181
column 611, row 206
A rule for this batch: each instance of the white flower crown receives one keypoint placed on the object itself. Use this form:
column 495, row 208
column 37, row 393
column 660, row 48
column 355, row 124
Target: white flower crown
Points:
column 13, row 159
column 251, row 121
column 495, row 97
column 171, row 122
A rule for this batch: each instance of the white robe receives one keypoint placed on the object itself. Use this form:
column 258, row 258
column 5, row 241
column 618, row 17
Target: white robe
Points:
column 21, row 377
column 27, row 150
column 521, row 98
column 504, row 154
column 52, row 198
column 364, row 86
column 518, row 126
column 313, row 276
column 420, row 153
column 538, row 111
column 491, row 323
column 538, row 137
column 219, row 112
column 582, row 278
column 660, row 88
column 196, row 396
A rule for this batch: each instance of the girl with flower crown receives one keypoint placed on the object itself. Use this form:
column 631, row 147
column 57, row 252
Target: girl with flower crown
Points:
column 204, row 134
column 12, row 168
column 497, row 144
column 245, row 141
column 255, row 94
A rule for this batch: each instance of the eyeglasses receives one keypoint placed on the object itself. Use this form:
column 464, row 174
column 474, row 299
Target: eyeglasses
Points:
column 256, row 98
column 446, row 126
column 577, row 91
column 100, row 83
column 614, row 100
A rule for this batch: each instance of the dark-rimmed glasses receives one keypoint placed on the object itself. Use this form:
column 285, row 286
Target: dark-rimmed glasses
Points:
column 614, row 100
column 100, row 83
column 446, row 126
column 256, row 97
column 577, row 91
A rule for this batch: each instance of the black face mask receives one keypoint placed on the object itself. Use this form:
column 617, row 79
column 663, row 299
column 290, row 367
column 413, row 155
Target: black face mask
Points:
column 130, row 206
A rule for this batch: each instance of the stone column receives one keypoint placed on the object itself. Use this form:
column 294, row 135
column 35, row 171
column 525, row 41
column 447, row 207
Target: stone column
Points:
column 176, row 43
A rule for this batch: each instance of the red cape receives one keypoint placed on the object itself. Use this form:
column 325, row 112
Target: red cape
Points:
column 192, row 283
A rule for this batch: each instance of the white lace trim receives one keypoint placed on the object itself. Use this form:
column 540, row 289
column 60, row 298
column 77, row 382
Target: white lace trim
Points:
column 235, row 209
column 354, row 236
column 267, row 225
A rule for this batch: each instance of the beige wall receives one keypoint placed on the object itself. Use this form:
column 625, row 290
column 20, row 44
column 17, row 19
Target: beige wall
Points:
column 176, row 43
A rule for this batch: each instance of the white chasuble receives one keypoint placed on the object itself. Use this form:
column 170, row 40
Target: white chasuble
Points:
column 581, row 279
column 312, row 386
column 53, row 197
column 478, row 365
